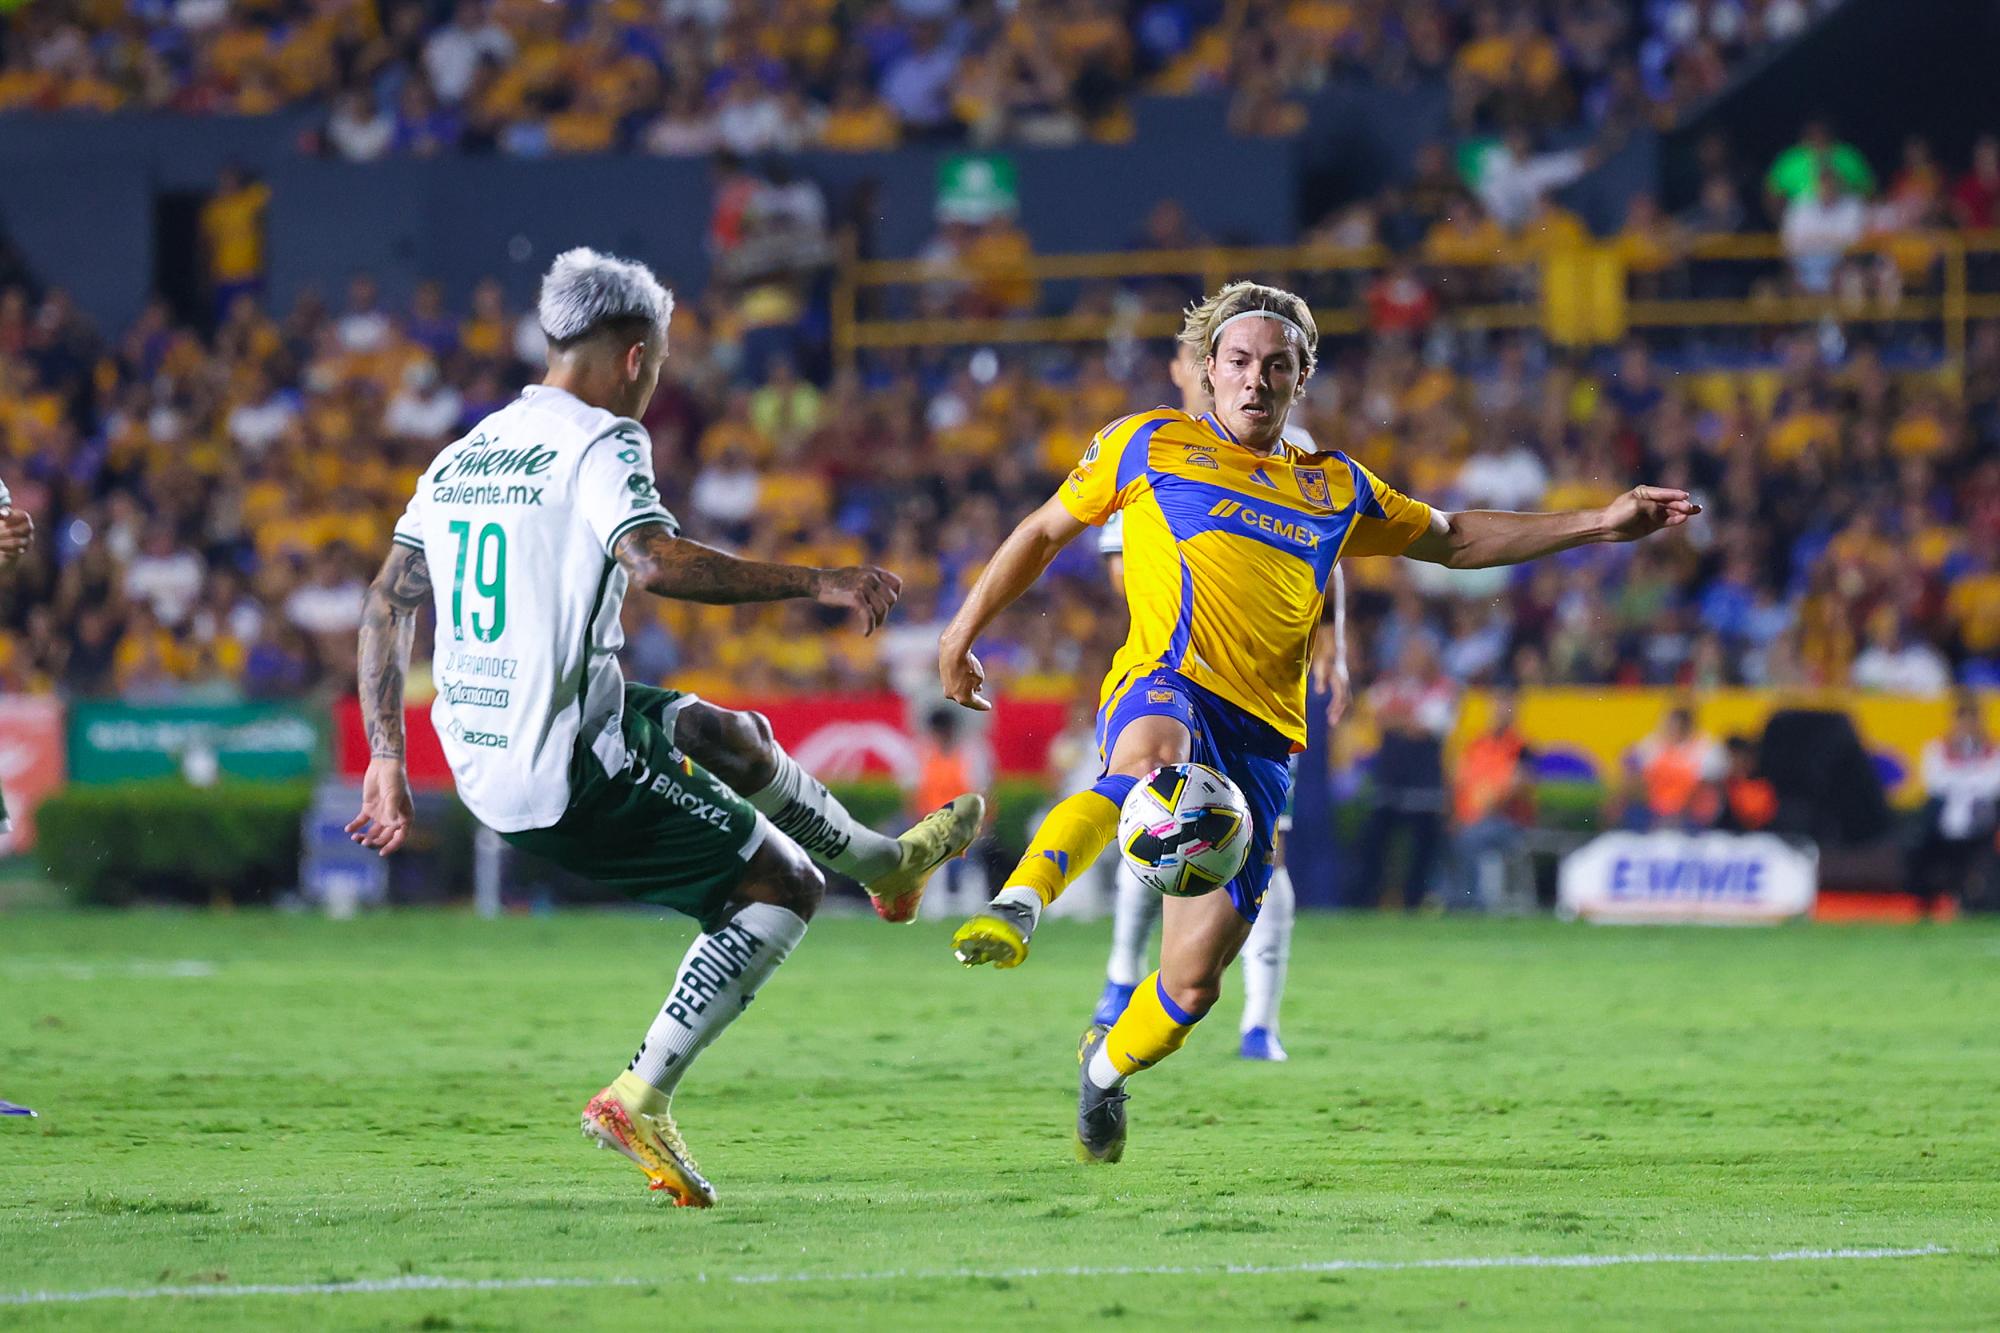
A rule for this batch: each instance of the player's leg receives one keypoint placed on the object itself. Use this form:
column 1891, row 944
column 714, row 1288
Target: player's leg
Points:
column 1266, row 958
column 1198, row 939
column 756, row 930
column 1135, row 910
column 1268, row 954
column 665, row 830
column 1147, row 726
column 738, row 747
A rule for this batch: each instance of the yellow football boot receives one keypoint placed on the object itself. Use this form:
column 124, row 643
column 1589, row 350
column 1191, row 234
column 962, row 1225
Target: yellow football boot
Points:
column 940, row 835
column 998, row 935
column 633, row 1117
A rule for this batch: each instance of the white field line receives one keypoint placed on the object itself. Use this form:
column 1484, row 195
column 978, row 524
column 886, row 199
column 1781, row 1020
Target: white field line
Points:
column 135, row 969
column 373, row 1286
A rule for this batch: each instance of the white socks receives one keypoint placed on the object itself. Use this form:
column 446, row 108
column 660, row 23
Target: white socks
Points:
column 1267, row 953
column 1137, row 908
column 717, row 980
column 802, row 808
column 1101, row 1071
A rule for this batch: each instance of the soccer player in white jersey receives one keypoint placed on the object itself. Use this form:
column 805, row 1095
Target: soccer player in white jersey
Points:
column 534, row 523
column 1268, row 951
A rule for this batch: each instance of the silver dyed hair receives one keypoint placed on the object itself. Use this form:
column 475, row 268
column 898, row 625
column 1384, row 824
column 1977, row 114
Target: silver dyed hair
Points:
column 584, row 290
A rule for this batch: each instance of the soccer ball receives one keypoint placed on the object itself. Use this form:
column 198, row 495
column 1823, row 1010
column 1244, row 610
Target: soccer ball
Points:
column 1184, row 830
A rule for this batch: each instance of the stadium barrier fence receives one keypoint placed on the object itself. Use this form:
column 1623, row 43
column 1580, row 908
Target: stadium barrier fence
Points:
column 1578, row 295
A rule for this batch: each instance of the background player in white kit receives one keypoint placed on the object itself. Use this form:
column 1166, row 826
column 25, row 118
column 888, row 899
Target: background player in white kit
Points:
column 1136, row 908
column 534, row 523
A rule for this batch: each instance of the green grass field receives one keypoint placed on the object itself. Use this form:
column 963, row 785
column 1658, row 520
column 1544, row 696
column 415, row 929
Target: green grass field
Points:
column 243, row 1100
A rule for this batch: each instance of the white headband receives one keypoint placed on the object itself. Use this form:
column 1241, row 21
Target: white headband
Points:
column 1305, row 343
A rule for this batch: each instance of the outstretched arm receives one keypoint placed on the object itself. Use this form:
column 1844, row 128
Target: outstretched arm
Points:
column 1011, row 572
column 670, row 566
column 388, row 629
column 1329, row 659
column 1482, row 538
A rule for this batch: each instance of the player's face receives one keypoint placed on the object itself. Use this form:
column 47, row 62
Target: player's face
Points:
column 1256, row 370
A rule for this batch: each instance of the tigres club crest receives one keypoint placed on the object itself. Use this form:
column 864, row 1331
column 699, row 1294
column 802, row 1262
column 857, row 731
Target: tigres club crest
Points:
column 1312, row 484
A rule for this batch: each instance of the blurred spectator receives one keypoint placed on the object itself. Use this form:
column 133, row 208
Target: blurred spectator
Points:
column 1800, row 171
column 1399, row 302
column 1415, row 708
column 165, row 576
column 454, row 52
column 1432, row 192
column 1895, row 663
column 232, row 234
column 1820, row 226
column 1954, row 851
column 359, row 130
column 531, row 79
column 1717, row 210
column 1975, row 196
column 945, row 755
column 916, row 85
column 1749, row 801
column 1493, row 801
column 1672, row 777
column 1513, row 180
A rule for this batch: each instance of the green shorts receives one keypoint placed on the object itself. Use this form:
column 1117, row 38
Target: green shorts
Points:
column 664, row 829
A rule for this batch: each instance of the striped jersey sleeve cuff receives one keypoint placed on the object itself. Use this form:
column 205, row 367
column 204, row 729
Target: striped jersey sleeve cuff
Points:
column 405, row 539
column 640, row 521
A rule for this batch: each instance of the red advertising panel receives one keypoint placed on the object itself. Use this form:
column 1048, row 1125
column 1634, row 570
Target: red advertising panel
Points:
column 32, row 761
column 837, row 738
column 350, row 745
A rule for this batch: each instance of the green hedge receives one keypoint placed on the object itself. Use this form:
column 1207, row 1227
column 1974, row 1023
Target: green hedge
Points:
column 237, row 842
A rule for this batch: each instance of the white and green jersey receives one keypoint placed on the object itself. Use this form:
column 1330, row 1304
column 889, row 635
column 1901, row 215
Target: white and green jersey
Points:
column 517, row 521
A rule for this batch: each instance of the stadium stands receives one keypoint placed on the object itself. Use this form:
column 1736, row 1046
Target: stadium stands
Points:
column 532, row 78
column 214, row 503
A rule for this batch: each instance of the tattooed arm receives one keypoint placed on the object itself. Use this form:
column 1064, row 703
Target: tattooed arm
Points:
column 388, row 628
column 670, row 566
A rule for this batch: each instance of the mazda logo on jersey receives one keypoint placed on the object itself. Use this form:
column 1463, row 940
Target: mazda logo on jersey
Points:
column 1263, row 522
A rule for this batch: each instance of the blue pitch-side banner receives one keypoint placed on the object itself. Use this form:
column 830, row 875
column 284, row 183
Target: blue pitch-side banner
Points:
column 1716, row 878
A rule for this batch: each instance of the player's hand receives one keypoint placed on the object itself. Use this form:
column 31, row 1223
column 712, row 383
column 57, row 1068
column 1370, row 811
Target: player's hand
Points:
column 17, row 533
column 1338, row 696
column 386, row 809
column 1644, row 510
column 962, row 677
column 869, row 590
column 1329, row 677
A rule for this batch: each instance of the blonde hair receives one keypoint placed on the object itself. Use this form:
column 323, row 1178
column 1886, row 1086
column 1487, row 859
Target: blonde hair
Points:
column 1204, row 320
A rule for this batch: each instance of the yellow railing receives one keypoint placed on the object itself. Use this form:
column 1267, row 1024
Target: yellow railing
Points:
column 1584, row 295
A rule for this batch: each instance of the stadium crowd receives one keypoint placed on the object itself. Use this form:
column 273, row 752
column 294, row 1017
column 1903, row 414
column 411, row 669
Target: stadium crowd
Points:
column 213, row 506
column 216, row 487
column 535, row 77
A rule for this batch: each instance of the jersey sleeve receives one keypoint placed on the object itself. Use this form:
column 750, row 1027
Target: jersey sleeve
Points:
column 615, row 491
column 1386, row 521
column 1111, row 473
column 409, row 530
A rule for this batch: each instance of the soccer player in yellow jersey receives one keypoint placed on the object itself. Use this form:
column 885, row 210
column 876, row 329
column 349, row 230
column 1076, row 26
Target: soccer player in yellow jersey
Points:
column 1231, row 536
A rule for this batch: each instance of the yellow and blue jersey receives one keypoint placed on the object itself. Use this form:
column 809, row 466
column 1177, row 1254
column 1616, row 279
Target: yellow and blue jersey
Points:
column 1228, row 552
